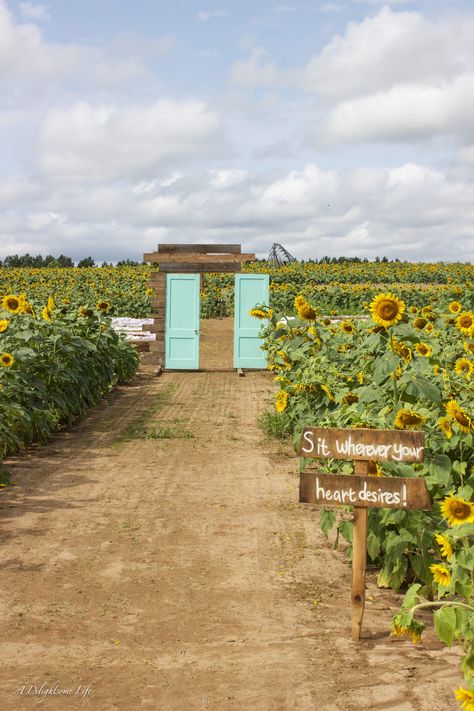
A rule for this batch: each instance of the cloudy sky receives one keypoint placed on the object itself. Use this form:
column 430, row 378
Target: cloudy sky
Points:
column 334, row 128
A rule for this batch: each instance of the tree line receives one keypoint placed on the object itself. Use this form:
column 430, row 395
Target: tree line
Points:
column 40, row 262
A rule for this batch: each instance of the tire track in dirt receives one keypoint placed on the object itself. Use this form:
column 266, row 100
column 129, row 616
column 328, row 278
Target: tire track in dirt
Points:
column 176, row 574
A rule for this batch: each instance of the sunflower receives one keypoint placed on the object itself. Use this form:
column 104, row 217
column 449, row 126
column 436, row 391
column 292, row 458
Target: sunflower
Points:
column 408, row 419
column 423, row 349
column 299, row 301
column 429, row 328
column 347, row 327
column 11, row 303
column 441, row 575
column 445, row 426
column 465, row 698
column 45, row 313
column 401, row 349
column 51, row 304
column 413, row 631
column 373, row 469
column 281, row 401
column 256, row 313
column 413, row 310
column 387, row 310
column 465, row 323
column 103, row 306
column 420, row 323
column 7, row 360
column 457, row 511
column 469, row 347
column 350, row 398
column 455, row 307
column 445, row 546
column 464, row 366
column 459, row 415
column 306, row 311
column 3, row 324
column 85, row 311
column 328, row 392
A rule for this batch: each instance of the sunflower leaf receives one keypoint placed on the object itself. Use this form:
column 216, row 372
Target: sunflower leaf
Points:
column 445, row 624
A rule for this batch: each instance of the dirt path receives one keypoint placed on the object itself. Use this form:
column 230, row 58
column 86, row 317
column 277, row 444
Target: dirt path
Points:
column 180, row 575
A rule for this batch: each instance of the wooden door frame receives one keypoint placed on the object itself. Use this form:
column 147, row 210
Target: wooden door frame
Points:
column 185, row 259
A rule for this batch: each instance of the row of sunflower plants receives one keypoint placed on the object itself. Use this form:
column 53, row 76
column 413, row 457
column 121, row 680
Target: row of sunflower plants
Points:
column 399, row 368
column 124, row 288
column 56, row 361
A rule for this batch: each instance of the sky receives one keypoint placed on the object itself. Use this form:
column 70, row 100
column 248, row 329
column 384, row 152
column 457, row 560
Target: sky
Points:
column 335, row 128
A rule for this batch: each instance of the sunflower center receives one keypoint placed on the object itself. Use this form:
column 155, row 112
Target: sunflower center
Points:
column 460, row 510
column 462, row 419
column 388, row 310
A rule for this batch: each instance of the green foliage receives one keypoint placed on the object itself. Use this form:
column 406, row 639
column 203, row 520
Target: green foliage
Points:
column 55, row 367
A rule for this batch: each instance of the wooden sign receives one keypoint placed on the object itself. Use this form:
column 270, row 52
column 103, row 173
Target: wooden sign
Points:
column 363, row 444
column 362, row 491
column 374, row 491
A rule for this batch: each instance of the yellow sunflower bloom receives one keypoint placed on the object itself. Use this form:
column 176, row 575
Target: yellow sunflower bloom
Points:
column 445, row 546
column 412, row 633
column 408, row 419
column 11, row 303
column 373, row 469
column 464, row 366
column 429, row 328
column 441, row 574
column 465, row 323
column 347, row 327
column 424, row 349
column 45, row 313
column 469, row 347
column 103, row 306
column 445, row 426
column 307, row 312
column 457, row 511
column 7, row 360
column 281, row 401
column 387, row 310
column 465, row 698
column 420, row 323
column 460, row 416
column 3, row 324
column 455, row 307
column 328, row 392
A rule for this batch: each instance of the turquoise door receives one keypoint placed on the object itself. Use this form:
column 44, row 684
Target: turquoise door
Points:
column 250, row 290
column 182, row 321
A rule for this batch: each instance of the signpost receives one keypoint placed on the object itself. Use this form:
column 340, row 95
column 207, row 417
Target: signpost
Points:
column 361, row 490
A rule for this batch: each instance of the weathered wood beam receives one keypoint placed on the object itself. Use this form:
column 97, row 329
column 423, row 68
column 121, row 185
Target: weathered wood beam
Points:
column 200, row 248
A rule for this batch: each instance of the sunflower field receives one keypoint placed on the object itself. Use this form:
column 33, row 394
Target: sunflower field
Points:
column 402, row 367
column 56, row 361
column 342, row 288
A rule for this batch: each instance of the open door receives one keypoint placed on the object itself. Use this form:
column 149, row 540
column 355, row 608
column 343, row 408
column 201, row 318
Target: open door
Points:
column 182, row 321
column 250, row 289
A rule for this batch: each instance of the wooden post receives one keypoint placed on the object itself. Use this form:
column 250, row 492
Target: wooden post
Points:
column 359, row 557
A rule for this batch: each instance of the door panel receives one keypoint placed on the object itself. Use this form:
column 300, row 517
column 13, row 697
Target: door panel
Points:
column 250, row 289
column 182, row 321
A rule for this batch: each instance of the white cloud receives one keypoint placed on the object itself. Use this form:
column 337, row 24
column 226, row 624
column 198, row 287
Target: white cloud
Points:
column 255, row 71
column 410, row 211
column 409, row 112
column 31, row 67
column 389, row 49
column 105, row 143
column 34, row 11
column 205, row 15
column 284, row 8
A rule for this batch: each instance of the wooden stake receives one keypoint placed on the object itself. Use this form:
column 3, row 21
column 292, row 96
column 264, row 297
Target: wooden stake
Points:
column 359, row 556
